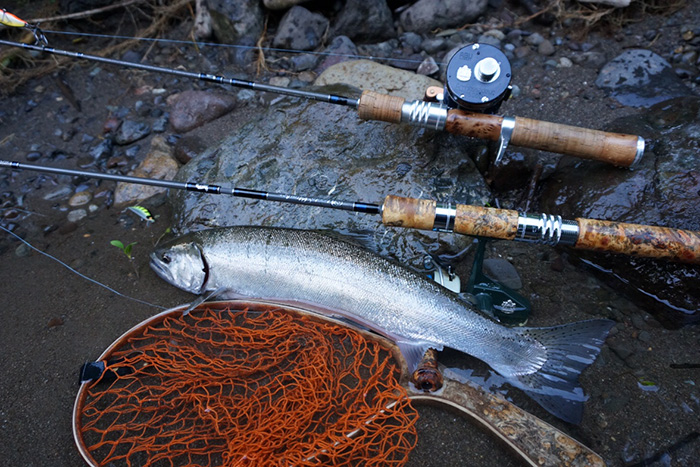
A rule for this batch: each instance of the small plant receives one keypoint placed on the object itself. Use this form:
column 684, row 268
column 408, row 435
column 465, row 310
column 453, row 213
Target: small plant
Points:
column 126, row 249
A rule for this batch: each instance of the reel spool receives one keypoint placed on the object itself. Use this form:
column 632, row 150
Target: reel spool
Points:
column 477, row 79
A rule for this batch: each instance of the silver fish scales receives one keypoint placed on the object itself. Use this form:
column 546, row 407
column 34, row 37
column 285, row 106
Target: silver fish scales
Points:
column 325, row 273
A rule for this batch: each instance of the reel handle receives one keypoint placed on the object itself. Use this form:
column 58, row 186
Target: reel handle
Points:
column 617, row 149
column 586, row 234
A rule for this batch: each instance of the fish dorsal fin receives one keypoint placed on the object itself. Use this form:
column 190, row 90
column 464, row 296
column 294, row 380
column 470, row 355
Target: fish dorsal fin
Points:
column 413, row 351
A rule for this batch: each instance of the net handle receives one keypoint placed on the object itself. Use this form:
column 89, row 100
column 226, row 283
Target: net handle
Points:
column 535, row 441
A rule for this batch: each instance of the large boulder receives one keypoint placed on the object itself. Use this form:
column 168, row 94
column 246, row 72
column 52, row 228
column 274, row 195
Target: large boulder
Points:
column 326, row 151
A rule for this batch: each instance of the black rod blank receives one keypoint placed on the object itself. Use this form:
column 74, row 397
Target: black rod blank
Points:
column 354, row 206
column 330, row 98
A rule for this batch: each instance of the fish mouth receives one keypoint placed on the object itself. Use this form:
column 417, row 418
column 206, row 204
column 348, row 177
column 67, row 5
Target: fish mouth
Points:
column 160, row 267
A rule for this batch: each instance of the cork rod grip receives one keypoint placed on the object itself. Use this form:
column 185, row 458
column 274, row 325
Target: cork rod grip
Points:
column 469, row 220
column 613, row 148
column 376, row 106
column 639, row 240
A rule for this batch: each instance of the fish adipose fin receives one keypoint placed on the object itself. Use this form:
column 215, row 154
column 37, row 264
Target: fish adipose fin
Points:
column 570, row 348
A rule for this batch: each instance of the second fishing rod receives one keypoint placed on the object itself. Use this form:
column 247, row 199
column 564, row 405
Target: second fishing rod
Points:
column 506, row 224
column 477, row 81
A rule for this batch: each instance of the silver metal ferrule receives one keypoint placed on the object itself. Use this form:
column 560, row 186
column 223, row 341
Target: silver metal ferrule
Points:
column 547, row 229
column 424, row 114
column 444, row 218
column 640, row 151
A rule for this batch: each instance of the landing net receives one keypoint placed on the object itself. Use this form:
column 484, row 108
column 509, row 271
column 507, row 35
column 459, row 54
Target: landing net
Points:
column 256, row 386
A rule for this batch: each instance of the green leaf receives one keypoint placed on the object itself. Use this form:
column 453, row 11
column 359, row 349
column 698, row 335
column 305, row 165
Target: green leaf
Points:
column 118, row 244
column 127, row 249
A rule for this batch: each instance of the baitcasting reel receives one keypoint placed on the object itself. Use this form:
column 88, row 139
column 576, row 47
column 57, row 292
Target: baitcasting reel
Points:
column 477, row 79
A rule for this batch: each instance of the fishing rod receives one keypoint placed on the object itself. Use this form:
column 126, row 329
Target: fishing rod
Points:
column 505, row 224
column 477, row 82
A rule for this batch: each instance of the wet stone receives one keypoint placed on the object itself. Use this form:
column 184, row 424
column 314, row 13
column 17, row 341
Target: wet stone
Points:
column 60, row 192
column 364, row 20
column 54, row 322
column 330, row 155
column 191, row 109
column 23, row 250
column 645, row 336
column 103, row 150
column 427, row 15
column 661, row 190
column 501, row 270
column 80, row 199
column 338, row 51
column 640, row 78
column 158, row 164
column 300, row 29
column 535, row 39
column 77, row 215
column 33, row 156
column 545, row 48
column 131, row 131
column 303, row 62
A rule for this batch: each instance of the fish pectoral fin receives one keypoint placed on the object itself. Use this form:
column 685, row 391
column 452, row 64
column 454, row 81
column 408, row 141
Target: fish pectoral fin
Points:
column 206, row 297
column 413, row 352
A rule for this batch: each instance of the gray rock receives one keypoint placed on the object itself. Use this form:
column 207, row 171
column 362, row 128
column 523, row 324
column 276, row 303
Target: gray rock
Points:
column 294, row 148
column 490, row 40
column 131, row 131
column 433, row 44
column 427, row 15
column 103, row 150
column 60, row 192
column 594, row 60
column 281, row 4
column 23, row 250
column 303, row 62
column 190, row 109
column 158, row 164
column 662, row 190
column 76, row 215
column 640, row 78
column 412, row 40
column 365, row 20
column 428, row 67
column 369, row 75
column 240, row 22
column 545, row 48
column 300, row 29
column 535, row 39
column 80, row 199
column 340, row 49
column 502, row 271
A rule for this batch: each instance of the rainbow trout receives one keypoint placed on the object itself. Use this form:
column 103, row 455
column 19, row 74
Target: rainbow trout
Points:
column 312, row 269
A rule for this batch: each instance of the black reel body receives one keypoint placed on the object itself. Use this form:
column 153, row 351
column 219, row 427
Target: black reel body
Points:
column 477, row 79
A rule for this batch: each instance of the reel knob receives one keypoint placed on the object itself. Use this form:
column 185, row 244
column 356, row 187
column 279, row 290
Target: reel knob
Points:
column 478, row 78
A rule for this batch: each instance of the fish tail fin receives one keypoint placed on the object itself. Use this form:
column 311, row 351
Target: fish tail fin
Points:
column 569, row 349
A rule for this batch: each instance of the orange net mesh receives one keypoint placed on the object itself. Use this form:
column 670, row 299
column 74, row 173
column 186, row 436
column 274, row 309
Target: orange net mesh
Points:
column 227, row 387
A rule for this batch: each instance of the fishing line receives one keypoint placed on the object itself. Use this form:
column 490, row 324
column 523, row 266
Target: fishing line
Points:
column 79, row 273
column 232, row 46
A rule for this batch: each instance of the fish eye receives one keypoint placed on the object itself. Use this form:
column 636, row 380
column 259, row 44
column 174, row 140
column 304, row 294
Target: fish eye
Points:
column 165, row 258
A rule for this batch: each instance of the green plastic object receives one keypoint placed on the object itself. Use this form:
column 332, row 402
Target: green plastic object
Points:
column 494, row 298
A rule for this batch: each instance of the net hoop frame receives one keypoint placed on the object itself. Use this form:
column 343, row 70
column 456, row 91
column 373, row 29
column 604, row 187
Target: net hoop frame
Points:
column 233, row 305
